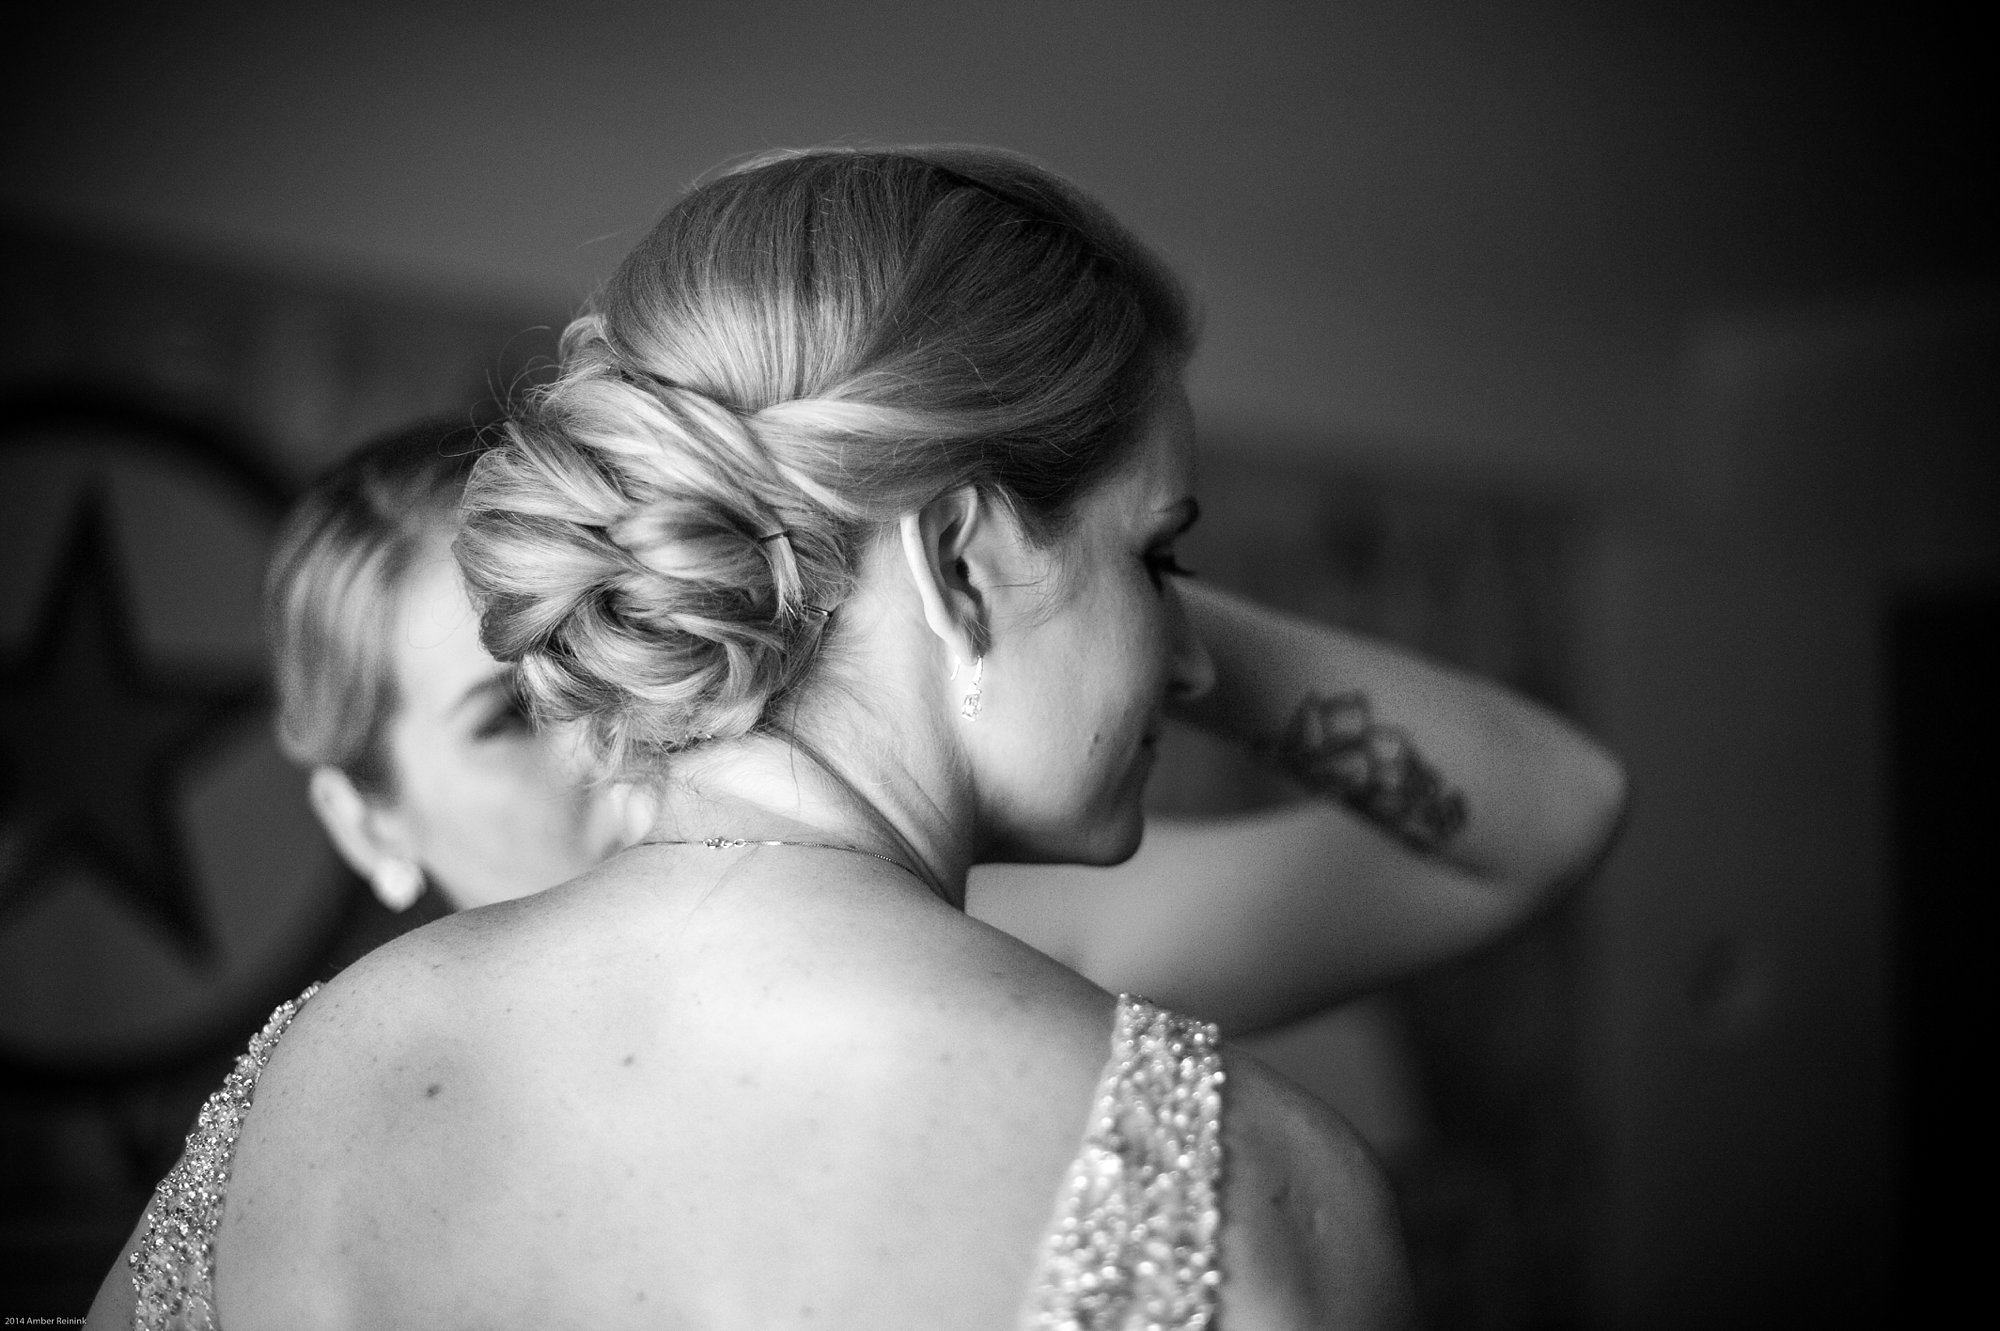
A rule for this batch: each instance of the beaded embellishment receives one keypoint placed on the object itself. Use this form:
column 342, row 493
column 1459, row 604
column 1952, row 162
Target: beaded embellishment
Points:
column 173, row 1268
column 1134, row 1240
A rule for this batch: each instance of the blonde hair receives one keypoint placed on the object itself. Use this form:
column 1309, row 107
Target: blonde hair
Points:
column 333, row 586
column 799, row 351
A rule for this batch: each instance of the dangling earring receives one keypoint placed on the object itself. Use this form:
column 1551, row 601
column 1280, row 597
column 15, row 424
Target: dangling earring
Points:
column 397, row 883
column 970, row 707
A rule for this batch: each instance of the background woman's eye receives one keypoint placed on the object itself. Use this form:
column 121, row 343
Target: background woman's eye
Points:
column 510, row 718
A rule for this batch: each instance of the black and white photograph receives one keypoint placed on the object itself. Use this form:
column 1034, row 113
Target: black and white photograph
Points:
column 1015, row 667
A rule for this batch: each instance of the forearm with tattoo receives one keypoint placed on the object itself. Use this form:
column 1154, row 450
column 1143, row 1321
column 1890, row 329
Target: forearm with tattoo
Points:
column 1337, row 748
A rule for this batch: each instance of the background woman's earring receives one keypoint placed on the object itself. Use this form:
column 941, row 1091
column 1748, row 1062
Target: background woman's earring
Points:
column 970, row 707
column 397, row 883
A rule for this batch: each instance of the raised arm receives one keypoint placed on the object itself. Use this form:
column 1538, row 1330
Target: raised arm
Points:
column 1445, row 810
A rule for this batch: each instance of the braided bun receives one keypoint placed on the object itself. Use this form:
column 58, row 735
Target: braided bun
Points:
column 798, row 352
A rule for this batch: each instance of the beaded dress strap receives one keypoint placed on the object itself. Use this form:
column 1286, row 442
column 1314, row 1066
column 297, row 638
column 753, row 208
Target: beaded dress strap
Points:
column 173, row 1267
column 1134, row 1238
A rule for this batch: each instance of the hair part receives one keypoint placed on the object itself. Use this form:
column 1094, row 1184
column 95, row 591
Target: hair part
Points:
column 798, row 352
column 335, row 585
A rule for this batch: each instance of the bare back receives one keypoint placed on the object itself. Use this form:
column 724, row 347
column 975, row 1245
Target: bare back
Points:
column 677, row 1095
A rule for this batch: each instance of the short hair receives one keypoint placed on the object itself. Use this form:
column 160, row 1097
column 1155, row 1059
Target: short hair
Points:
column 335, row 583
column 798, row 351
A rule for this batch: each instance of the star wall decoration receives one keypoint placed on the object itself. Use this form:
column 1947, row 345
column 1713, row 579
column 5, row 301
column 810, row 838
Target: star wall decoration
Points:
column 163, row 881
column 96, row 738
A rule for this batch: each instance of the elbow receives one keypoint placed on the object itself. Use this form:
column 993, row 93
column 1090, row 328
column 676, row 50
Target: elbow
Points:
column 1594, row 815
column 1610, row 800
column 1567, row 828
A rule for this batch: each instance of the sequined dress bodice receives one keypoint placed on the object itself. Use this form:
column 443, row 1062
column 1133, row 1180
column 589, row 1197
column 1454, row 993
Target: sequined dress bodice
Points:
column 173, row 1268
column 1132, row 1246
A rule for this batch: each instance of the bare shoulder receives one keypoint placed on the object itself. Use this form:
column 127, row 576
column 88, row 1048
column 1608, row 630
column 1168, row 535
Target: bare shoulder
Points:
column 1311, row 1236
column 643, row 1085
column 415, row 990
column 388, row 1086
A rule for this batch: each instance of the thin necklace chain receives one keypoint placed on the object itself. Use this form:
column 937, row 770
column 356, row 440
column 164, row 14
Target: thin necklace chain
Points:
column 737, row 843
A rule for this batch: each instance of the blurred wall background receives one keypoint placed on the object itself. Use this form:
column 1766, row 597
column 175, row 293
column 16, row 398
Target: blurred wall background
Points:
column 1704, row 281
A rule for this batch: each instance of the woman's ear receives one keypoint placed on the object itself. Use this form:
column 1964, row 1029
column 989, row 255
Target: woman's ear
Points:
column 369, row 836
column 938, row 542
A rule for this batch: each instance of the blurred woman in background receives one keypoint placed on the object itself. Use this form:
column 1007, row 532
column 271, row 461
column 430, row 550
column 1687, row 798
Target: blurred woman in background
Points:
column 423, row 766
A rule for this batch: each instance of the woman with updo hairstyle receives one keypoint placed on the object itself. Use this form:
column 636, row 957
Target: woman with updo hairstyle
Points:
column 848, row 527
column 665, row 543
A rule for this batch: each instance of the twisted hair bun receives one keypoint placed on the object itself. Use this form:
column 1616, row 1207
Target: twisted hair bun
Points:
column 798, row 352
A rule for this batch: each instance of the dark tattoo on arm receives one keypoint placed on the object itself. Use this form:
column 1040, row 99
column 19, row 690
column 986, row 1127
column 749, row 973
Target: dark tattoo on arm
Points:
column 1337, row 748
